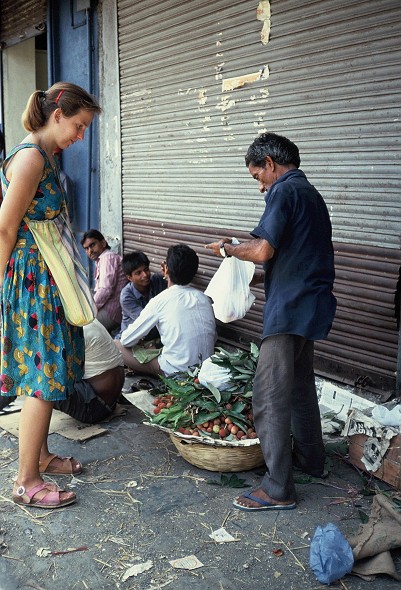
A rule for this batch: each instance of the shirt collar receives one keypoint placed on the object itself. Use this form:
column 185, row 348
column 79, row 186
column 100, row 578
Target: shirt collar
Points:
column 135, row 291
column 284, row 177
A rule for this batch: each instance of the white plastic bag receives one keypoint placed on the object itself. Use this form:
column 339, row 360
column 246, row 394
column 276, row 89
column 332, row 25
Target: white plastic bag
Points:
column 387, row 417
column 229, row 289
column 214, row 374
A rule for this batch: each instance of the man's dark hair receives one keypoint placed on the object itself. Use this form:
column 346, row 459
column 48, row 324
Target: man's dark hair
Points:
column 280, row 149
column 134, row 260
column 95, row 235
column 182, row 264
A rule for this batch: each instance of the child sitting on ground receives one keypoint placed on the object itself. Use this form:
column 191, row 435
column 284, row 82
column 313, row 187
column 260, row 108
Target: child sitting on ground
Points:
column 183, row 316
column 142, row 287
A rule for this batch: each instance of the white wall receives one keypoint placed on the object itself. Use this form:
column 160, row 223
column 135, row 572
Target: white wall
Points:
column 41, row 69
column 19, row 79
column 24, row 70
column 109, row 128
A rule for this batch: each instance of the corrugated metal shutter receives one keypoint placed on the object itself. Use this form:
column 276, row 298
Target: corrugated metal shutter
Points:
column 332, row 87
column 21, row 20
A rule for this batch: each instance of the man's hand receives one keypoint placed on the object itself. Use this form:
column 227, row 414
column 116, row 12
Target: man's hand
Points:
column 163, row 268
column 215, row 246
column 256, row 250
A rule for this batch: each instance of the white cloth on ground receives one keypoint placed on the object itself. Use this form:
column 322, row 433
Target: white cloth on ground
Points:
column 101, row 354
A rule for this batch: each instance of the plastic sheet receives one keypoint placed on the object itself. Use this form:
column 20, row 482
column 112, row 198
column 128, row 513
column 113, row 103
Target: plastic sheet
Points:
column 330, row 554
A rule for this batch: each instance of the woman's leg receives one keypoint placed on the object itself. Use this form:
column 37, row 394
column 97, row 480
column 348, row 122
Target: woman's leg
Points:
column 33, row 431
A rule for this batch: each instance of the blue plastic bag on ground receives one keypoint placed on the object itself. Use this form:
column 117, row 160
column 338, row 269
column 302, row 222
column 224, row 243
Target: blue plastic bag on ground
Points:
column 330, row 554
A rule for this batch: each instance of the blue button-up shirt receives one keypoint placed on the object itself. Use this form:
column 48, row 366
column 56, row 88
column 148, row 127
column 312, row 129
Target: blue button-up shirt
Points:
column 133, row 301
column 299, row 278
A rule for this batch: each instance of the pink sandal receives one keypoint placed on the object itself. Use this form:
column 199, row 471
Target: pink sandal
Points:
column 49, row 500
column 67, row 468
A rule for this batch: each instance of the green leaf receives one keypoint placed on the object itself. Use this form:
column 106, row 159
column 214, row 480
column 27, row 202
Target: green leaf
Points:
column 229, row 481
column 177, row 387
column 171, row 412
column 226, row 396
column 237, row 407
column 337, row 448
column 206, row 417
column 215, row 391
column 244, row 375
column 204, row 433
column 238, row 415
column 194, row 403
column 247, row 394
column 192, row 397
column 210, row 406
column 363, row 516
column 303, row 479
column 193, row 373
column 254, row 350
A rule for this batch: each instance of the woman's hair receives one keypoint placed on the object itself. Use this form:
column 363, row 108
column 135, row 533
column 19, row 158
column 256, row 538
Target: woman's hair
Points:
column 68, row 97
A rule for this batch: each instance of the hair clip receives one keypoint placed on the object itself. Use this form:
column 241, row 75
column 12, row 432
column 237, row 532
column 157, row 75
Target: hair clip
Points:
column 58, row 96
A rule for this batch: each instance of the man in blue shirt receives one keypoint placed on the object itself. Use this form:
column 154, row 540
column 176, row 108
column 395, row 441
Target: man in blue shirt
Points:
column 293, row 242
column 142, row 286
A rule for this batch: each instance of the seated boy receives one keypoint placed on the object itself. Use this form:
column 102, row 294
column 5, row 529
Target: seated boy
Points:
column 183, row 316
column 142, row 287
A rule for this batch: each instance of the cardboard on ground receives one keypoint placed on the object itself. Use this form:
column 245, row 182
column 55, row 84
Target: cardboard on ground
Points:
column 60, row 424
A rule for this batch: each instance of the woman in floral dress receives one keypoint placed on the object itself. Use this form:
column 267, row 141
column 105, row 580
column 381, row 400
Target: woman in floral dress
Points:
column 41, row 353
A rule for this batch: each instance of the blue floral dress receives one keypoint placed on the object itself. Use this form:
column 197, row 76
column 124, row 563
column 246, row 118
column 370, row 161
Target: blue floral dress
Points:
column 41, row 353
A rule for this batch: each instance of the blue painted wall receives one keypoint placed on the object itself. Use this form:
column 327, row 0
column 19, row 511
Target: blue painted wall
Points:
column 73, row 57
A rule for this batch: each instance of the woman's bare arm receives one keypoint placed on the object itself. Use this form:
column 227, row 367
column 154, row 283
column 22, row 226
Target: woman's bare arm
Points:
column 24, row 173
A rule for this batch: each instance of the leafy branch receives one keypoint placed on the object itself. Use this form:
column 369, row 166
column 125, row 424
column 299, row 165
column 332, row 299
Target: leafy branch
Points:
column 182, row 402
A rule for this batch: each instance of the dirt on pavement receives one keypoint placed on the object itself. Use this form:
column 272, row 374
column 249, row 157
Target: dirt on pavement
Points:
column 141, row 506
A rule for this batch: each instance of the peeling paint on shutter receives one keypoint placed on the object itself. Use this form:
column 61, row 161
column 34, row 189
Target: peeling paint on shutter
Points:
column 21, row 20
column 200, row 80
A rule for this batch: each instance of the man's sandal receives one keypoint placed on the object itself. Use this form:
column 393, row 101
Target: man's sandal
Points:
column 50, row 500
column 68, row 466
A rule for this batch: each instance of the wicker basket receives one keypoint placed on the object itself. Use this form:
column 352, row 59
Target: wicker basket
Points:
column 219, row 458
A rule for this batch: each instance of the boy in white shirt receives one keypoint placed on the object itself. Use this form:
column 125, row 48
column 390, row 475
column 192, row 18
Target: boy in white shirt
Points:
column 183, row 316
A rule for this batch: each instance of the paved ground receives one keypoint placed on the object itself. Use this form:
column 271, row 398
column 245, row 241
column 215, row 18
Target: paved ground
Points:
column 141, row 503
